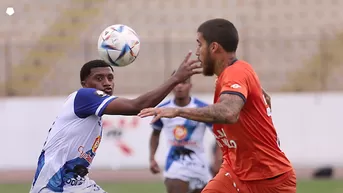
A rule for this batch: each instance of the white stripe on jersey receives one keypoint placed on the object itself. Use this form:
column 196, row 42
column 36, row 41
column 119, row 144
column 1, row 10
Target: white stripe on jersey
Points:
column 103, row 104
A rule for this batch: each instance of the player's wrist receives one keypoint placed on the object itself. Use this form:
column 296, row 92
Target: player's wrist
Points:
column 178, row 112
column 152, row 158
column 174, row 79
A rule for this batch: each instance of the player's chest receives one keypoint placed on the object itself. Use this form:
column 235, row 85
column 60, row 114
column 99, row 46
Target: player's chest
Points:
column 180, row 129
column 179, row 121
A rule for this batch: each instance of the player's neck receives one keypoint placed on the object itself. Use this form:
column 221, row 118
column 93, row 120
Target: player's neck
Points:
column 227, row 60
column 182, row 102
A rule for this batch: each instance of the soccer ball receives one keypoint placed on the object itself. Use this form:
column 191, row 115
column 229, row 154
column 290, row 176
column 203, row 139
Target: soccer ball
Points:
column 118, row 45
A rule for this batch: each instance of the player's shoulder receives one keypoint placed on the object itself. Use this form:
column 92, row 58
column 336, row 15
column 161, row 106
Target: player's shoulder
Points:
column 92, row 91
column 240, row 68
column 199, row 103
column 164, row 104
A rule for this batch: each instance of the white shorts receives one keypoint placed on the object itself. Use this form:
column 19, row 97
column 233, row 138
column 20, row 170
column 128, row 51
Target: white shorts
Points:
column 193, row 171
column 89, row 187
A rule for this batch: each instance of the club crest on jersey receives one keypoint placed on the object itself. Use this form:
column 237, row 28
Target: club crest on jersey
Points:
column 96, row 144
column 235, row 86
column 100, row 93
column 180, row 132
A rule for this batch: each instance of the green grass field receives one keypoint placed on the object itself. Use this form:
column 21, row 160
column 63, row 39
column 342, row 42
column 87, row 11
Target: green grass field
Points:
column 317, row 186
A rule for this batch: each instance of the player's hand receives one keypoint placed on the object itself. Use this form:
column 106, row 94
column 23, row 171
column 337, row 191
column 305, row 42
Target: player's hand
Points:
column 159, row 113
column 187, row 68
column 154, row 168
column 268, row 98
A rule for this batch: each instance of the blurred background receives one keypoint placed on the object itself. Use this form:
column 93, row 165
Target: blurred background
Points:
column 294, row 45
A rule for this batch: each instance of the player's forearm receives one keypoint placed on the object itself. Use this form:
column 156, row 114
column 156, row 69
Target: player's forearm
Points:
column 217, row 113
column 154, row 142
column 154, row 97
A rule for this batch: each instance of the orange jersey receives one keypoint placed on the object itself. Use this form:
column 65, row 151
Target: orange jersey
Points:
column 250, row 146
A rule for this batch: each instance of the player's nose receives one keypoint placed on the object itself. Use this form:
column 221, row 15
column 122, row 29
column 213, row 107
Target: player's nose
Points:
column 197, row 53
column 107, row 83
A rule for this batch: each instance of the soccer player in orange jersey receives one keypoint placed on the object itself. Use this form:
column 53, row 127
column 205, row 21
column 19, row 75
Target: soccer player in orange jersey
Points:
column 243, row 126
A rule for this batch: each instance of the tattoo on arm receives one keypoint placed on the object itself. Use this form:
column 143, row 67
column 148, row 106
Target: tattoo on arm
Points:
column 226, row 111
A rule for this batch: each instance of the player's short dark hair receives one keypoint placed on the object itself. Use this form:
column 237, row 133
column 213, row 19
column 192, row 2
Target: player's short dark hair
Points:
column 87, row 67
column 221, row 31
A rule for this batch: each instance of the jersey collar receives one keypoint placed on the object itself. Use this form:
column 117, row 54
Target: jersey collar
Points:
column 188, row 105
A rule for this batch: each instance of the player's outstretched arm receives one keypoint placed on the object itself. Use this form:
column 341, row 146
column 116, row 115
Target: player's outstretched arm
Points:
column 225, row 111
column 123, row 106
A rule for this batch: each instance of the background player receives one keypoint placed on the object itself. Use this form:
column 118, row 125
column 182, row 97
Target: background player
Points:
column 252, row 159
column 187, row 169
column 75, row 135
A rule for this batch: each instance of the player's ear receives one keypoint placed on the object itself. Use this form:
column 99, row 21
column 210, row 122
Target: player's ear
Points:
column 83, row 83
column 214, row 47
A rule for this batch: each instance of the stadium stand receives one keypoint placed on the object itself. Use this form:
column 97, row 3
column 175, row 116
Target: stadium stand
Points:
column 323, row 70
column 53, row 43
column 277, row 37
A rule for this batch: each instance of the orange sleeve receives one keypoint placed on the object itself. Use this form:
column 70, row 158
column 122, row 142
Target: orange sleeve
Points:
column 234, row 81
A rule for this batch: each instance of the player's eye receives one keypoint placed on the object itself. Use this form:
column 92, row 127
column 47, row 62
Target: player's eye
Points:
column 99, row 78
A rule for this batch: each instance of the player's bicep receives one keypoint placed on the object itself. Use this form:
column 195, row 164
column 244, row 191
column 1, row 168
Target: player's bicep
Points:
column 233, row 104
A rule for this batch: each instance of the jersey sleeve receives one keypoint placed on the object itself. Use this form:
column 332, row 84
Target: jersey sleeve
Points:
column 158, row 125
column 90, row 101
column 235, row 82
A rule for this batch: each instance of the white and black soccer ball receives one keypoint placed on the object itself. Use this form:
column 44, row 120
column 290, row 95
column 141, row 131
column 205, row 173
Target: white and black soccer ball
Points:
column 118, row 45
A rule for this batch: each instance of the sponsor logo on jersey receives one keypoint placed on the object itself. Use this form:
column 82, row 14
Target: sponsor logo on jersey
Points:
column 180, row 132
column 88, row 156
column 235, row 86
column 100, row 93
column 96, row 144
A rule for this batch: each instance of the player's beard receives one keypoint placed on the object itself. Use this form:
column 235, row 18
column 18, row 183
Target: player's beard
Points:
column 208, row 65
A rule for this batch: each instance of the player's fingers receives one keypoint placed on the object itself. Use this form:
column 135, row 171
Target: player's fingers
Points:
column 196, row 69
column 192, row 62
column 196, row 72
column 189, row 54
column 195, row 66
column 152, row 170
column 146, row 112
column 156, row 171
column 156, row 118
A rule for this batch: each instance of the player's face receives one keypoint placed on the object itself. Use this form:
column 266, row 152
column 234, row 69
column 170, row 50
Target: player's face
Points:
column 182, row 89
column 204, row 55
column 101, row 78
